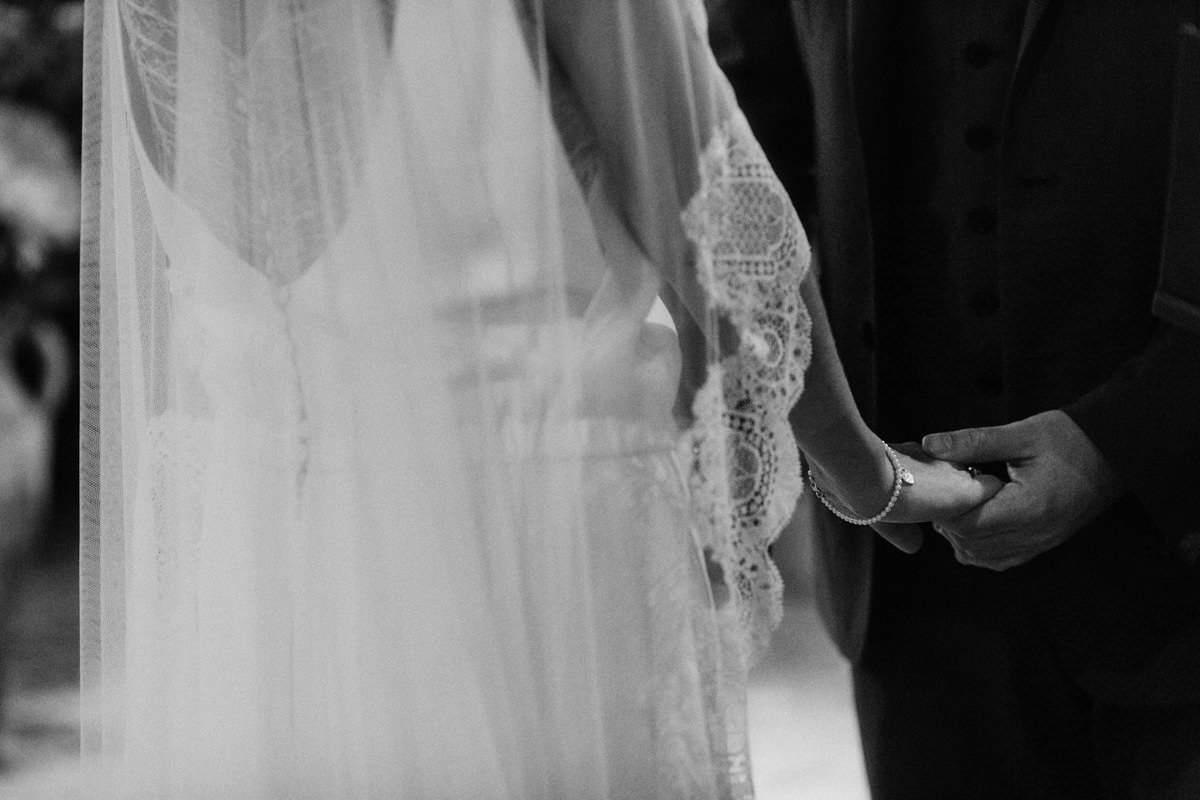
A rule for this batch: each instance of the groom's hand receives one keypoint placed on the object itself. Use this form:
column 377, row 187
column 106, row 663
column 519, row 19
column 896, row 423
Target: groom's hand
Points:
column 1059, row 482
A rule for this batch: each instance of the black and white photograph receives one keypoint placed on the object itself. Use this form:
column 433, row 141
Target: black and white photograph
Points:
column 599, row 400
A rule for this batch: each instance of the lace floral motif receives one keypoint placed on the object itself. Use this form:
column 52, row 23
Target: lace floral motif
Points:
column 751, row 255
column 152, row 42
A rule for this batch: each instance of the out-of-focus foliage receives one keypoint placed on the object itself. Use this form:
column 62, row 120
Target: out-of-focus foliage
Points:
column 41, row 80
column 39, row 209
column 41, row 58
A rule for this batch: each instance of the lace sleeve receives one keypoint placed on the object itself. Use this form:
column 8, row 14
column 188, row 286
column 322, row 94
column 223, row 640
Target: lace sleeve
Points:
column 705, row 205
column 751, row 255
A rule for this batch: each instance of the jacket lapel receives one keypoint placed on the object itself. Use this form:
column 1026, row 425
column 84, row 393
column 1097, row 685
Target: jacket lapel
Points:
column 1034, row 13
column 1035, row 17
column 867, row 25
column 869, row 54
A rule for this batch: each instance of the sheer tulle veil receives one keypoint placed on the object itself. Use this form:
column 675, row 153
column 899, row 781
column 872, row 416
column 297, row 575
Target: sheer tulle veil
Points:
column 395, row 483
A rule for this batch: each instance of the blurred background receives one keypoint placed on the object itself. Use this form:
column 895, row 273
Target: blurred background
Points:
column 40, row 93
column 803, row 736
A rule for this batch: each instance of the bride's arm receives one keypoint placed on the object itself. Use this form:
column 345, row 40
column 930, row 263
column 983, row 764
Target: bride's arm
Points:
column 849, row 460
column 644, row 75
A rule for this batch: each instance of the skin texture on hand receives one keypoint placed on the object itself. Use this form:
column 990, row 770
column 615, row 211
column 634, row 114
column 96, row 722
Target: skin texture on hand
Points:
column 1058, row 483
column 940, row 490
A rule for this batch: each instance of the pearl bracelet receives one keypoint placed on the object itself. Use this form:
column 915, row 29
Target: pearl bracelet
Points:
column 901, row 478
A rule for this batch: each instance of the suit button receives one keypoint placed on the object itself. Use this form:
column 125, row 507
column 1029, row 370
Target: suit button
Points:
column 982, row 220
column 985, row 303
column 980, row 137
column 978, row 54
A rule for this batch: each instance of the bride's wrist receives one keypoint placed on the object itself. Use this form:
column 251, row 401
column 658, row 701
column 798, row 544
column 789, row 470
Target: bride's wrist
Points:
column 859, row 478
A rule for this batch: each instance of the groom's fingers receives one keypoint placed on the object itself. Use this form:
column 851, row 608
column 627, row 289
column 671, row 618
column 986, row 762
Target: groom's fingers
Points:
column 978, row 445
column 1006, row 513
column 997, row 534
column 994, row 563
column 983, row 489
column 974, row 553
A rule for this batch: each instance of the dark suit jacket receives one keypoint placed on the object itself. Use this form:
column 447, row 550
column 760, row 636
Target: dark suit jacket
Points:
column 1083, row 181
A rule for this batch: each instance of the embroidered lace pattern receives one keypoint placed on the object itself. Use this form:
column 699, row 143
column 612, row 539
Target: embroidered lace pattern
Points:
column 289, row 146
column 751, row 254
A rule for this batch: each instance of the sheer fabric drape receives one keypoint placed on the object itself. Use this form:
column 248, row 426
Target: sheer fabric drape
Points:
column 386, row 492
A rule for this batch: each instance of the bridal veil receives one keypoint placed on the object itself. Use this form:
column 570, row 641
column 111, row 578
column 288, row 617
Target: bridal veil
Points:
column 395, row 483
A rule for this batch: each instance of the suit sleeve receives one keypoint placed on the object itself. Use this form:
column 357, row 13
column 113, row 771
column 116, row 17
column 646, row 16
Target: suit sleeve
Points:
column 1178, row 297
column 1145, row 420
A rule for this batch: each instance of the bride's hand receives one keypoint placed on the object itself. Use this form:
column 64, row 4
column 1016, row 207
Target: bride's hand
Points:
column 939, row 490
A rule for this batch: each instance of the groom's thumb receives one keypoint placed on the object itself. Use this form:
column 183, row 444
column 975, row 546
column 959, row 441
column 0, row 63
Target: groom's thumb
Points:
column 970, row 445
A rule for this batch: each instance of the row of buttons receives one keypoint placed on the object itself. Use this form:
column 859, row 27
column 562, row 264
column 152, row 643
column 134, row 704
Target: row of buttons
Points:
column 982, row 220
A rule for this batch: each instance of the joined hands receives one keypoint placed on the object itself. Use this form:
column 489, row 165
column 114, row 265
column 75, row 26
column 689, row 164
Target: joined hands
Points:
column 1057, row 482
column 940, row 489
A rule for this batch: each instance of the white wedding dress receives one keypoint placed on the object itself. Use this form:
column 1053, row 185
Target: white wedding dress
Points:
column 384, row 491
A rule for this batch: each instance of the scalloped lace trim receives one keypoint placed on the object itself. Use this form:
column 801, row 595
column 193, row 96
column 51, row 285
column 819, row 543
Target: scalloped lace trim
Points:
column 752, row 254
